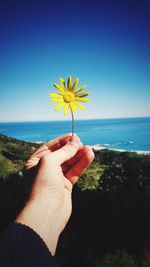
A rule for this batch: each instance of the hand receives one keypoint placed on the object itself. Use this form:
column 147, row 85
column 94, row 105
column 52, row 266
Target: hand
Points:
column 59, row 164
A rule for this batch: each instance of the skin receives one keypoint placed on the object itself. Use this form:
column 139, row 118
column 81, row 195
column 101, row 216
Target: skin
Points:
column 59, row 164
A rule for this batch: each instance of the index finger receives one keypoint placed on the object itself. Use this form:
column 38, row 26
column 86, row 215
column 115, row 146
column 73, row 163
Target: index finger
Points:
column 52, row 145
column 59, row 142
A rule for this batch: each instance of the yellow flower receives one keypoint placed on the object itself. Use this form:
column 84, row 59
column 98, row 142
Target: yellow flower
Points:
column 69, row 95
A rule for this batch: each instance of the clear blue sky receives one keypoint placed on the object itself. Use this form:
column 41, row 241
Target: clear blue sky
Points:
column 104, row 43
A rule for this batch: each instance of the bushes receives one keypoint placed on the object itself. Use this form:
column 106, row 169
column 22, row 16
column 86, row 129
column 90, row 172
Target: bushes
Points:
column 90, row 179
column 6, row 167
column 13, row 154
column 118, row 259
column 111, row 207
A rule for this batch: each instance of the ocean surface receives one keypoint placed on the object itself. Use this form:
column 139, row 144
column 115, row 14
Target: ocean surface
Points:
column 132, row 134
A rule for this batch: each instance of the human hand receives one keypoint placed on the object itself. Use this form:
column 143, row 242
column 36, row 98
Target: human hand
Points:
column 59, row 164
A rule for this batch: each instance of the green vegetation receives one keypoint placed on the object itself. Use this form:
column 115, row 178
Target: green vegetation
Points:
column 90, row 179
column 118, row 259
column 13, row 154
column 110, row 223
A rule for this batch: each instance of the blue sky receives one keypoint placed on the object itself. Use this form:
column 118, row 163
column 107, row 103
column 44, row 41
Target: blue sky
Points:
column 104, row 43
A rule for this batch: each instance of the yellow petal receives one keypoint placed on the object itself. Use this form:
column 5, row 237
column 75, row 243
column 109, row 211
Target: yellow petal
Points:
column 83, row 94
column 62, row 83
column 73, row 107
column 81, row 99
column 79, row 106
column 66, row 109
column 80, row 89
column 69, row 83
column 59, row 106
column 56, row 100
column 75, row 84
column 60, row 89
column 55, row 95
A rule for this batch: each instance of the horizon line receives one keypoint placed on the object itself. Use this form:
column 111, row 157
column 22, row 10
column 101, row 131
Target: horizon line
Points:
column 58, row 120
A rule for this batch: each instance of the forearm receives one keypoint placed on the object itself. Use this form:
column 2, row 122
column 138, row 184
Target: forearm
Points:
column 39, row 215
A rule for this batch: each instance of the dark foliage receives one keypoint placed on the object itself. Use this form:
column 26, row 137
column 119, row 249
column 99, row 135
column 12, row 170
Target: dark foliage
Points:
column 110, row 224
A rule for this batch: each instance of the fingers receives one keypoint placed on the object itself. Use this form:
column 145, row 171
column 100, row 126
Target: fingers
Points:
column 31, row 163
column 80, row 167
column 58, row 142
column 68, row 185
column 40, row 150
column 46, row 149
column 67, row 151
column 53, row 145
column 66, row 166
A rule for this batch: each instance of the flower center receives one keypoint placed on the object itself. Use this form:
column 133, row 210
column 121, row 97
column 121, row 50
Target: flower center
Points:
column 68, row 97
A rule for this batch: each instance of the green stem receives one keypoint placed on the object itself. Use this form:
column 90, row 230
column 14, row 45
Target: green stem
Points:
column 72, row 122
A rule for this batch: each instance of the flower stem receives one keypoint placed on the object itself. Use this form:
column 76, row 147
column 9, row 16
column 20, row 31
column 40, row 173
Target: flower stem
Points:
column 72, row 122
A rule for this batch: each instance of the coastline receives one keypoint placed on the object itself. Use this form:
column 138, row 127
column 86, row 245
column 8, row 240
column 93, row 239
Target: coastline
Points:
column 101, row 147
column 98, row 147
column 130, row 135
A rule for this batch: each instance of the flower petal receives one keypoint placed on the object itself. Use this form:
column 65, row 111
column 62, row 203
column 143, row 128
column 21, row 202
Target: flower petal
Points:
column 83, row 94
column 56, row 100
column 62, row 83
column 75, row 84
column 60, row 89
column 59, row 106
column 66, row 109
column 80, row 89
column 79, row 106
column 73, row 107
column 81, row 99
column 55, row 95
column 69, row 83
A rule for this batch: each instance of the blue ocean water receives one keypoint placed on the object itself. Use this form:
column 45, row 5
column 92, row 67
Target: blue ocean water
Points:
column 127, row 134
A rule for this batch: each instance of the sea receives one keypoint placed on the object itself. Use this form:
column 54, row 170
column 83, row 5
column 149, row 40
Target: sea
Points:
column 129, row 134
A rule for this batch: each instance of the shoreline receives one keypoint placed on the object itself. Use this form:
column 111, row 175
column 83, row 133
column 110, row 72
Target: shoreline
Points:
column 98, row 147
column 101, row 147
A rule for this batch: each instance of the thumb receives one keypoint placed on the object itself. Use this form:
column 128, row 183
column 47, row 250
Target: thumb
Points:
column 67, row 151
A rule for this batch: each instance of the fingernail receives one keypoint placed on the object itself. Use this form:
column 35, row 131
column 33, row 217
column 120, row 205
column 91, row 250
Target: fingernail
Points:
column 75, row 140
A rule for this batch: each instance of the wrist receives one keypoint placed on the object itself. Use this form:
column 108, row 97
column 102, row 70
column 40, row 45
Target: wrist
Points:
column 42, row 218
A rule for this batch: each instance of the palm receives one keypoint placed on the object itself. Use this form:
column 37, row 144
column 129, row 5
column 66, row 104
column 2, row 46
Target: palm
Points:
column 71, row 169
column 66, row 174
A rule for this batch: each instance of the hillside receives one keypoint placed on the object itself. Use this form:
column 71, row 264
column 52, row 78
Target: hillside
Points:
column 110, row 222
column 13, row 154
